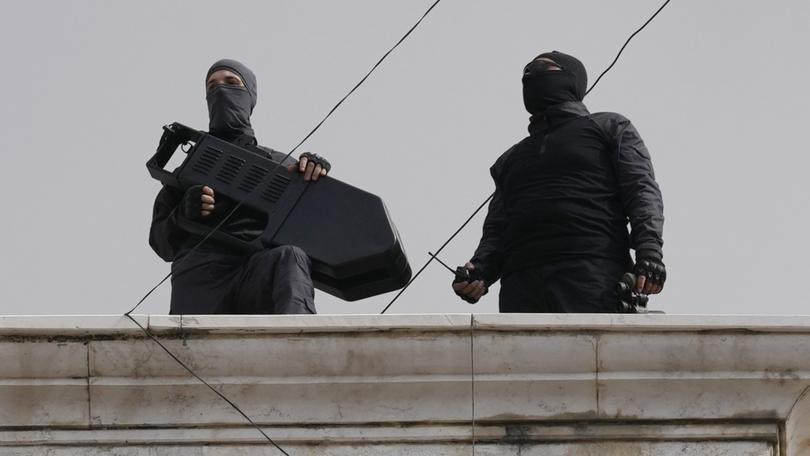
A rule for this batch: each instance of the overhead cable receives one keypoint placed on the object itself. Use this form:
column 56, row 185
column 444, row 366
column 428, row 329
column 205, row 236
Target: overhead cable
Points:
column 237, row 206
column 625, row 45
column 433, row 256
column 305, row 138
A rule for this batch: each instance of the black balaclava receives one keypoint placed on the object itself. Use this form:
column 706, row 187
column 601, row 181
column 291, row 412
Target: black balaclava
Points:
column 543, row 87
column 230, row 107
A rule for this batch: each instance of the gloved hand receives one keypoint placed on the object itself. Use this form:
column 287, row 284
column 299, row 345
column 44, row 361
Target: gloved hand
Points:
column 198, row 203
column 313, row 166
column 650, row 272
column 191, row 206
column 472, row 288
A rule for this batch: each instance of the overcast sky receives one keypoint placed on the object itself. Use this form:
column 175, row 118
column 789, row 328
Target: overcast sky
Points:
column 717, row 90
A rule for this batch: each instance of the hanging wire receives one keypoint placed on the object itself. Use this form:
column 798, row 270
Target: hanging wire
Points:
column 625, row 45
column 438, row 251
column 222, row 396
column 237, row 206
column 305, row 138
column 433, row 256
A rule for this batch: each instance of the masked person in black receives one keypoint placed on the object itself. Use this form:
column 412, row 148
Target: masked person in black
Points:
column 556, row 230
column 216, row 279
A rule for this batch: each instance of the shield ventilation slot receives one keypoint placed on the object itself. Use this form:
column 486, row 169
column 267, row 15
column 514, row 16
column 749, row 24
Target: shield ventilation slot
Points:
column 275, row 188
column 230, row 169
column 208, row 159
column 252, row 178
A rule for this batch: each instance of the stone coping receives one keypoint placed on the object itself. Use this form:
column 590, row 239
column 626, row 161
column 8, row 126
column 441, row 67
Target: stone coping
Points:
column 506, row 371
column 73, row 325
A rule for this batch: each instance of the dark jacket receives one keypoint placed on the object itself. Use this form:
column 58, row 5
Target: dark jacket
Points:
column 169, row 241
column 568, row 191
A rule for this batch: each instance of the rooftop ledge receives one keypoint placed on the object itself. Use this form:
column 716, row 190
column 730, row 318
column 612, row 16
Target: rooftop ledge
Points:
column 72, row 325
column 409, row 384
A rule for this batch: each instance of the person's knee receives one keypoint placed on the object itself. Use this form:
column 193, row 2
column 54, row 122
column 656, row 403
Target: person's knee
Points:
column 292, row 253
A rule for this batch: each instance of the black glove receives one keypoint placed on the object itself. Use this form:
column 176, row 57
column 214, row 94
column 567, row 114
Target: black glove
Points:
column 629, row 300
column 191, row 204
column 468, row 275
column 316, row 160
column 649, row 265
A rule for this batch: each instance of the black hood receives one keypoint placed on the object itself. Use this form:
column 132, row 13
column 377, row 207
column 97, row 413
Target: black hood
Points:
column 230, row 107
column 543, row 88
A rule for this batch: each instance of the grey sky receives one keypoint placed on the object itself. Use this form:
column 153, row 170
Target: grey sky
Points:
column 717, row 90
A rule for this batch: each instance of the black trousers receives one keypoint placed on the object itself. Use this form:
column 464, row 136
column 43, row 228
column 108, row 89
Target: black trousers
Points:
column 570, row 286
column 274, row 281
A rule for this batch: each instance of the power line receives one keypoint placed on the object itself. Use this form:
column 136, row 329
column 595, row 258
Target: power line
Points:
column 433, row 256
column 374, row 67
column 222, row 396
column 438, row 251
column 625, row 45
column 238, row 205
column 317, row 126
column 308, row 135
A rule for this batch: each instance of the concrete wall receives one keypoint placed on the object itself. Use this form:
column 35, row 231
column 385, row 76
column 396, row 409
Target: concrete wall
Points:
column 407, row 384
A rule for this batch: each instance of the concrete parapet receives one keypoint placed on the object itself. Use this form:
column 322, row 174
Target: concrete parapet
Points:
column 567, row 385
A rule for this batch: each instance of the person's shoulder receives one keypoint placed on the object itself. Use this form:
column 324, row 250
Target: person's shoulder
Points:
column 508, row 152
column 609, row 117
column 499, row 164
column 611, row 123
